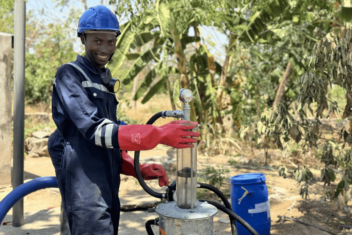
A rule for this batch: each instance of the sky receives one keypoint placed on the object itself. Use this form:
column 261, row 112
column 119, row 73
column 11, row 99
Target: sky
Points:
column 211, row 34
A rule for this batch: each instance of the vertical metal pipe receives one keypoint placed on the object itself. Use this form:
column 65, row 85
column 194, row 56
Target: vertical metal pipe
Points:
column 18, row 117
column 192, row 180
column 187, row 112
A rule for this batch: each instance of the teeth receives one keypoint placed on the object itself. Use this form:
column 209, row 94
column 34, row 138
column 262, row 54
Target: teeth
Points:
column 102, row 57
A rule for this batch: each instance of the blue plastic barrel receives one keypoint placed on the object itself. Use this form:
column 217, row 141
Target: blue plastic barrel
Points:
column 249, row 199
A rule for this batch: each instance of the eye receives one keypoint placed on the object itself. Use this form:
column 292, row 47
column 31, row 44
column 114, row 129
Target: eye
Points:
column 98, row 41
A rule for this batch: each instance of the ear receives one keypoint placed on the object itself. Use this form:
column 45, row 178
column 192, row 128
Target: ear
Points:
column 83, row 39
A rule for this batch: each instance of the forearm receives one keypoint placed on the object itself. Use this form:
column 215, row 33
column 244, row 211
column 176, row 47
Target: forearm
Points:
column 138, row 137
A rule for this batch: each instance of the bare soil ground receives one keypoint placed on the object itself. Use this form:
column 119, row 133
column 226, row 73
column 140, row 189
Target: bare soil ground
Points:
column 284, row 199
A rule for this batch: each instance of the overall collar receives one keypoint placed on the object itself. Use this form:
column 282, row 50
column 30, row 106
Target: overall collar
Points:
column 87, row 64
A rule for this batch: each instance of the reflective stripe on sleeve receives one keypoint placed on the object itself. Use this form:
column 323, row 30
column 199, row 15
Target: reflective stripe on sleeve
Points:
column 98, row 132
column 108, row 135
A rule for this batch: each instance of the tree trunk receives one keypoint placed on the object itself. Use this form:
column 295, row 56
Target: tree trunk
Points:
column 196, row 33
column 134, row 90
column 168, row 85
column 135, row 84
column 281, row 90
column 182, row 65
column 223, row 76
column 180, row 55
column 222, row 81
column 84, row 2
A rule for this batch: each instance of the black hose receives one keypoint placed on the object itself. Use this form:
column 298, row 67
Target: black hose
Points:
column 148, row 225
column 223, row 199
column 134, row 209
column 227, row 209
column 217, row 192
column 234, row 216
column 155, row 117
column 137, row 166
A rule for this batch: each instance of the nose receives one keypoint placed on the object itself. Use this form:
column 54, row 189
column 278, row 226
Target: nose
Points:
column 104, row 49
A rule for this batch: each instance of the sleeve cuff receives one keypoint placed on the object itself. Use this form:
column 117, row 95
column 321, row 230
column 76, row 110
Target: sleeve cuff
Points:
column 114, row 136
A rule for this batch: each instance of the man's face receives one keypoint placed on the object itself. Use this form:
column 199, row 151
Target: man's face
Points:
column 100, row 46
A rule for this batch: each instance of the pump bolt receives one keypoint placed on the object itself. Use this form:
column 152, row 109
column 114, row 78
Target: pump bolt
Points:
column 186, row 216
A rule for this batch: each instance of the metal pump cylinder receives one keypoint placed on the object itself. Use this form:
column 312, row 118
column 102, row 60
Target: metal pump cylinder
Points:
column 186, row 183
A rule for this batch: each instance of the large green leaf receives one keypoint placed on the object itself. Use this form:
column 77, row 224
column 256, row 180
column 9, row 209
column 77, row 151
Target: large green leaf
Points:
column 186, row 40
column 341, row 187
column 176, row 90
column 148, row 80
column 163, row 13
column 158, row 70
column 143, row 38
column 133, row 56
column 140, row 63
column 123, row 44
column 197, row 99
column 346, row 10
column 154, row 89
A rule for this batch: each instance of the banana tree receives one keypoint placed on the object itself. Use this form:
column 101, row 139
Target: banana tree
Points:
column 167, row 56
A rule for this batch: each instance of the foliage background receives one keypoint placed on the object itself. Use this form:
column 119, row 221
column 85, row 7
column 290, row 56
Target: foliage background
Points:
column 286, row 65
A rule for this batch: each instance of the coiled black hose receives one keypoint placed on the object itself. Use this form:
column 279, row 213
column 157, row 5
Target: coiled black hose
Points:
column 223, row 199
column 148, row 225
column 137, row 166
column 152, row 193
column 234, row 216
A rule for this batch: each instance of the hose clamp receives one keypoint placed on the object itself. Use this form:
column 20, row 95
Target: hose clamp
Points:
column 174, row 114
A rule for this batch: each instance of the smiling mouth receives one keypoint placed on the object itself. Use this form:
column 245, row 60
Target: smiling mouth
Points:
column 102, row 57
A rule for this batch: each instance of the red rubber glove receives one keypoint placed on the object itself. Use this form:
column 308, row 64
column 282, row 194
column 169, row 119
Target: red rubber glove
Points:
column 176, row 134
column 149, row 171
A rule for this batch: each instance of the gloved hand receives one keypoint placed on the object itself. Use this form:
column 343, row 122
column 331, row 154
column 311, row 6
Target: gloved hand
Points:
column 176, row 134
column 173, row 135
column 149, row 171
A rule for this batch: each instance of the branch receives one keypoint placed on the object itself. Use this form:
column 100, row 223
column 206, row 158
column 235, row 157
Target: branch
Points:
column 281, row 90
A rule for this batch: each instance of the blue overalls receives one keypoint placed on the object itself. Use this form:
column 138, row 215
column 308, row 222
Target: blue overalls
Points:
column 88, row 171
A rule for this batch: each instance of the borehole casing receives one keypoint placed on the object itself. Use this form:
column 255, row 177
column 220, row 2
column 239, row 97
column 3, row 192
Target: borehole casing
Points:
column 176, row 221
column 186, row 184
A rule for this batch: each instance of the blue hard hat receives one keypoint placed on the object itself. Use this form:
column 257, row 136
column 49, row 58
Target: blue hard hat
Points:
column 98, row 18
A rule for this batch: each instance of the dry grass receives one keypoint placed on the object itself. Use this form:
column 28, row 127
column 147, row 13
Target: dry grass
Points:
column 143, row 112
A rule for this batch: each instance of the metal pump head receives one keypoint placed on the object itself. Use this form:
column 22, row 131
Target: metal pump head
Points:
column 185, row 95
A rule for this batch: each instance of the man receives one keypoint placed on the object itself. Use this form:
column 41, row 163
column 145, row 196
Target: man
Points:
column 89, row 147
